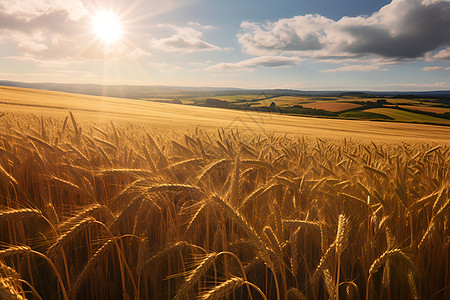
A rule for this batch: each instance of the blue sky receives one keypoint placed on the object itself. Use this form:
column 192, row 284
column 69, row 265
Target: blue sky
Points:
column 309, row 45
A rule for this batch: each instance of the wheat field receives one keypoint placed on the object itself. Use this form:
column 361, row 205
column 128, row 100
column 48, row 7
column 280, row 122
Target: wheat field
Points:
column 107, row 210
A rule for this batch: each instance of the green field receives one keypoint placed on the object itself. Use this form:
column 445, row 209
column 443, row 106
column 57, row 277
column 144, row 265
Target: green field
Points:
column 364, row 115
column 432, row 109
column 405, row 116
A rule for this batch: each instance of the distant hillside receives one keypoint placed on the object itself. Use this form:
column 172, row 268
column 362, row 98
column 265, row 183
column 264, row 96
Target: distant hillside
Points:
column 122, row 91
column 141, row 91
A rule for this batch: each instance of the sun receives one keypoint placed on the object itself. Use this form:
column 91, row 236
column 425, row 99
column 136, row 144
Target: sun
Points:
column 107, row 26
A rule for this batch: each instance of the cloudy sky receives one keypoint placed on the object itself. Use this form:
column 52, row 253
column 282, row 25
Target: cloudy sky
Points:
column 310, row 45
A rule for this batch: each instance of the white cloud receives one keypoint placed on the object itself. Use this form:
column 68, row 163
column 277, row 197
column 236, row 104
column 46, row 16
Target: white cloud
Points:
column 257, row 62
column 200, row 26
column 443, row 55
column 45, row 30
column 179, row 43
column 29, row 9
column 185, row 40
column 31, row 47
column 428, row 2
column 356, row 68
column 300, row 33
column 431, row 69
column 403, row 29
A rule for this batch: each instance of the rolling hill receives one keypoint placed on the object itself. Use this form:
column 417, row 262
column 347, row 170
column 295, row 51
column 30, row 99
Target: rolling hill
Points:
column 175, row 117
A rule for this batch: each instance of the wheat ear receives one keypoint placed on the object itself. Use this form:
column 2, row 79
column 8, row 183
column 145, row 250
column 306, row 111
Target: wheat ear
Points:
column 223, row 289
column 201, row 269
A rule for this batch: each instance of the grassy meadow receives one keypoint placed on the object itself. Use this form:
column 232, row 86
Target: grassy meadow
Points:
column 105, row 198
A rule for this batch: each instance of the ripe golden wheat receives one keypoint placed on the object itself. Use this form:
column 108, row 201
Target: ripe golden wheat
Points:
column 93, row 210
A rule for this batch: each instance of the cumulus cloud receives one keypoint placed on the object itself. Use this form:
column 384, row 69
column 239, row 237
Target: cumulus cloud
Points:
column 55, row 21
column 257, row 62
column 31, row 47
column 185, row 39
column 356, row 68
column 403, row 29
column 28, row 9
column 52, row 34
column 443, row 55
column 296, row 34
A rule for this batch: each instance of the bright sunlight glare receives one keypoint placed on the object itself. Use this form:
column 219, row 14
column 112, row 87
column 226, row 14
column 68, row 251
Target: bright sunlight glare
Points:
column 107, row 26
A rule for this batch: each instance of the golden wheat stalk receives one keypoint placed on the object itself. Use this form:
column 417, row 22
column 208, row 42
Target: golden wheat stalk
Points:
column 6, row 177
column 341, row 243
column 325, row 257
column 175, row 188
column 275, row 244
column 89, row 211
column 300, row 223
column 18, row 214
column 203, row 266
column 329, row 284
column 69, row 236
column 234, row 215
column 43, row 143
column 106, row 143
column 8, row 291
column 14, row 250
column 341, row 235
column 169, row 250
column 195, row 216
column 223, row 163
column 223, row 289
column 19, row 250
column 380, row 261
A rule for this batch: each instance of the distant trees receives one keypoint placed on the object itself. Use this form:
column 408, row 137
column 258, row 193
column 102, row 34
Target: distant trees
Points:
column 216, row 102
column 371, row 103
column 381, row 102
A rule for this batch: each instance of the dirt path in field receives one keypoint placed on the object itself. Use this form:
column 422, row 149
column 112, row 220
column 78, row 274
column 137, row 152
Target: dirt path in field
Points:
column 176, row 117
